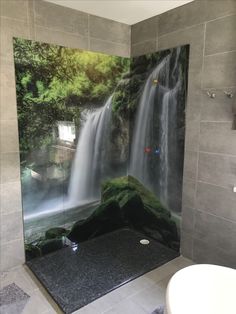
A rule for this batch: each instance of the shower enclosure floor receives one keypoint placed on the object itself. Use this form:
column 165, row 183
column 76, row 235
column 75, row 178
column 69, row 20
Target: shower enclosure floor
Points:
column 74, row 279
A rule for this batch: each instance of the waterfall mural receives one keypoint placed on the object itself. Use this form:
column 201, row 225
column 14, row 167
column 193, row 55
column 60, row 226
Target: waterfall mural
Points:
column 102, row 143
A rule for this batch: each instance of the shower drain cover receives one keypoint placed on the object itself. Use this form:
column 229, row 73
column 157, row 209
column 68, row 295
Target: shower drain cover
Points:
column 144, row 241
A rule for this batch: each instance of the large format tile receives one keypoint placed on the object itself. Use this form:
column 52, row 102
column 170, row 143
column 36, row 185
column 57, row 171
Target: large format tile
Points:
column 204, row 254
column 190, row 164
column 224, row 29
column 8, row 109
column 182, row 17
column 186, row 244
column 189, row 190
column 217, row 137
column 192, row 135
column 7, row 73
column 20, row 277
column 188, row 219
column 118, row 32
column 52, row 36
column 60, row 18
column 12, row 254
column 150, row 298
column 219, row 70
column 10, row 202
column 219, row 108
column 11, row 227
column 194, row 36
column 218, row 8
column 217, row 169
column 9, row 29
column 216, row 200
column 144, row 48
column 9, row 167
column 15, row 9
column 109, row 47
column 216, row 231
column 126, row 306
column 144, row 30
column 9, row 141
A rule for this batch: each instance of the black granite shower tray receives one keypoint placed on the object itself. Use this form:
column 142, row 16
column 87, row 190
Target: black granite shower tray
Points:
column 76, row 278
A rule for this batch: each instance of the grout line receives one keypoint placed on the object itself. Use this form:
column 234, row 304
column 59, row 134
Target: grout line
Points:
column 198, row 145
column 182, row 29
column 109, row 41
column 221, row 154
column 221, row 17
column 213, row 184
column 60, row 31
column 217, row 216
column 219, row 53
column 219, row 88
column 88, row 31
column 216, row 121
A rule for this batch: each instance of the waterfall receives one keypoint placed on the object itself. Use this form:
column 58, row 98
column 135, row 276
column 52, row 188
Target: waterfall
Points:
column 164, row 153
column 164, row 96
column 142, row 128
column 90, row 156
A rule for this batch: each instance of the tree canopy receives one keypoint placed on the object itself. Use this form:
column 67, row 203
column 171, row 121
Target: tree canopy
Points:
column 55, row 83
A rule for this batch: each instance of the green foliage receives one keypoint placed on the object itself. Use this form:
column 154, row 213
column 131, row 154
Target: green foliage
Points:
column 54, row 83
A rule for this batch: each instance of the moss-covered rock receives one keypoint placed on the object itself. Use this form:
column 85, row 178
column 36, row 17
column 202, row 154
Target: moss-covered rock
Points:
column 126, row 202
column 106, row 218
column 56, row 232
column 42, row 246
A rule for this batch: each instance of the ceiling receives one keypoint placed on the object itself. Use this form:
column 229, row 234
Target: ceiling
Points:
column 125, row 11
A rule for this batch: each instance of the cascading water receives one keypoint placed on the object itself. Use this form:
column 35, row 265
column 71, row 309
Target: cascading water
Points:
column 164, row 96
column 142, row 128
column 86, row 173
column 164, row 153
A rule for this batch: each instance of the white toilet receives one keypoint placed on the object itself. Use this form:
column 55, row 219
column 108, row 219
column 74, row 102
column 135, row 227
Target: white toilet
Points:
column 202, row 289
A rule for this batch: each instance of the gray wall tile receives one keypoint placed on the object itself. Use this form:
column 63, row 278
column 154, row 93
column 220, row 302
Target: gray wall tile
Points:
column 144, row 30
column 188, row 219
column 182, row 17
column 10, row 202
column 219, row 70
column 8, row 109
column 216, row 200
column 204, row 252
column 15, row 9
column 217, row 137
column 193, row 36
column 109, row 47
column 8, row 30
column 60, row 18
column 192, row 136
column 11, row 227
column 219, row 108
column 223, row 29
column 190, row 164
column 9, row 167
column 186, row 248
column 9, row 136
column 189, row 191
column 217, row 169
column 218, row 232
column 51, row 36
column 218, row 8
column 109, row 30
column 143, row 48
